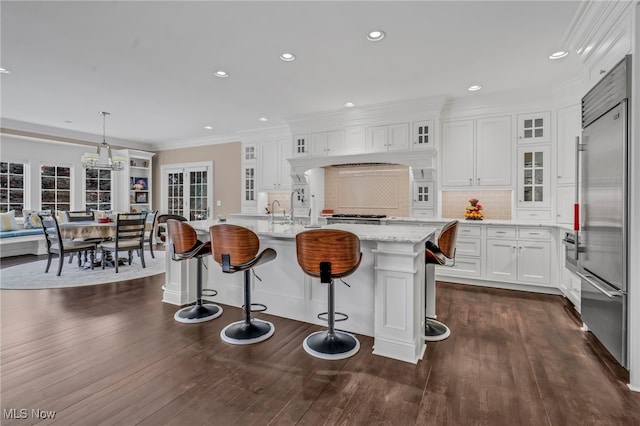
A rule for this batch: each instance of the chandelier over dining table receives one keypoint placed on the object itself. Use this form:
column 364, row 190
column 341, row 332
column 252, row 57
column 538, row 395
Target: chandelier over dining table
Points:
column 103, row 158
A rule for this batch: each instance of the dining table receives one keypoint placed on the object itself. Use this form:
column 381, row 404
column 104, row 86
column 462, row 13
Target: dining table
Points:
column 94, row 230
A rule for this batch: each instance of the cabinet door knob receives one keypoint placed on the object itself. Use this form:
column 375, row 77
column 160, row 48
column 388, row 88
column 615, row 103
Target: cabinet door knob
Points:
column 470, row 181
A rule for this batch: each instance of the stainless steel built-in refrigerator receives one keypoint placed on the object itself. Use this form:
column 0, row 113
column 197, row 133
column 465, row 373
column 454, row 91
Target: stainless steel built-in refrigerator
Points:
column 603, row 255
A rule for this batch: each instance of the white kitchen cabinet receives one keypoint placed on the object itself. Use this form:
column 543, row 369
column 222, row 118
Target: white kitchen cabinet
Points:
column 354, row 140
column 249, row 177
column 476, row 152
column 273, row 167
column 534, row 186
column 423, row 194
column 301, row 145
column 423, row 134
column 249, row 186
column 468, row 261
column 327, row 143
column 534, row 127
column 249, row 151
column 523, row 256
column 387, row 138
column 565, row 199
column 569, row 127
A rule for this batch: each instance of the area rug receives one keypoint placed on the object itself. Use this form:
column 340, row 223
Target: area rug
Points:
column 32, row 276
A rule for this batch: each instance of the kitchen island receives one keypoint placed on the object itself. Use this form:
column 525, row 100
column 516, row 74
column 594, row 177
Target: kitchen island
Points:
column 385, row 298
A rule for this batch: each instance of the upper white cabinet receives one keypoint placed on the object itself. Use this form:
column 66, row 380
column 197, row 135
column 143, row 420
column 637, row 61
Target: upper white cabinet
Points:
column 569, row 127
column 423, row 134
column 355, row 139
column 273, row 168
column 327, row 143
column 476, row 152
column 534, row 127
column 458, row 146
column 534, row 188
column 301, row 145
column 387, row 138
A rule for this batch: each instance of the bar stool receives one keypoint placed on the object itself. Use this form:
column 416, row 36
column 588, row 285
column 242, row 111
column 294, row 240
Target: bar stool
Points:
column 329, row 254
column 236, row 248
column 184, row 245
column 438, row 254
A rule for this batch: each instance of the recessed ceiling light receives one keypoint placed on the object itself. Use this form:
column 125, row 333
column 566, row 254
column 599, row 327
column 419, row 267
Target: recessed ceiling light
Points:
column 288, row 57
column 208, row 127
column 559, row 54
column 4, row 71
column 263, row 119
column 221, row 74
column 349, row 104
column 375, row 35
column 474, row 88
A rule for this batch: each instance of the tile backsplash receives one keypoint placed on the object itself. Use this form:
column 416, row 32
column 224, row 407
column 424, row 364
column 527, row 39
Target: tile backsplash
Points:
column 367, row 189
column 496, row 203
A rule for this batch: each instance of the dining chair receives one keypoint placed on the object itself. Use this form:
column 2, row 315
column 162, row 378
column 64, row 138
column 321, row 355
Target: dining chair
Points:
column 57, row 245
column 148, row 235
column 129, row 236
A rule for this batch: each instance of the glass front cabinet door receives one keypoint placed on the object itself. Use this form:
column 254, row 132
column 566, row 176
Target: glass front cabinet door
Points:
column 534, row 177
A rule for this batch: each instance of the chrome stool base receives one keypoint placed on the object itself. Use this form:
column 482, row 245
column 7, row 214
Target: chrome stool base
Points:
column 434, row 331
column 198, row 313
column 243, row 333
column 323, row 345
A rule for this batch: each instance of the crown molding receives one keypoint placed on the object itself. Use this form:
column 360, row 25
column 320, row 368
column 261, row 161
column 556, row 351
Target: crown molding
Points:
column 592, row 21
column 409, row 109
column 56, row 134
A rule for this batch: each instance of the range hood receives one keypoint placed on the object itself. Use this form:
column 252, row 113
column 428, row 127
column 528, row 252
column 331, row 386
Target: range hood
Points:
column 421, row 162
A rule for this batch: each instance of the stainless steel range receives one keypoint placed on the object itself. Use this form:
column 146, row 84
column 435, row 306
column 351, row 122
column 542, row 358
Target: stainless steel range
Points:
column 362, row 219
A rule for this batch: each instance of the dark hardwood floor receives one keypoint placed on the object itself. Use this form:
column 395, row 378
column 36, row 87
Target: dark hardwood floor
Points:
column 112, row 354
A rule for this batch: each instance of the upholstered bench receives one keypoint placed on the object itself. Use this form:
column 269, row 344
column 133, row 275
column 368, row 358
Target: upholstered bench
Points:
column 22, row 241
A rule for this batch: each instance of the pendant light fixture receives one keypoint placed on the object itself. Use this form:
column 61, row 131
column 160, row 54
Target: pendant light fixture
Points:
column 92, row 160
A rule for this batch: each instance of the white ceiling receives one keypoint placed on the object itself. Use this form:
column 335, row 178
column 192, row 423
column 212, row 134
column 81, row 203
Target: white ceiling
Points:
column 150, row 64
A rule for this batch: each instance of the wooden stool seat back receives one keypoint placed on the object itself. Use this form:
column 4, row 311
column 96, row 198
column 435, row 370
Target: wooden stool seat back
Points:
column 339, row 248
column 241, row 244
column 184, row 240
column 446, row 248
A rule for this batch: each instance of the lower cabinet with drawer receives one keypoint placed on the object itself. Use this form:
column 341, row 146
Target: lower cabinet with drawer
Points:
column 468, row 260
column 519, row 254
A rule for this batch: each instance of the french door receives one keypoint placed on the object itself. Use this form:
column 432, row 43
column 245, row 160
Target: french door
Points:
column 188, row 190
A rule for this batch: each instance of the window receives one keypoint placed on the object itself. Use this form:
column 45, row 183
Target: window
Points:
column 55, row 184
column 175, row 186
column 98, row 189
column 12, row 185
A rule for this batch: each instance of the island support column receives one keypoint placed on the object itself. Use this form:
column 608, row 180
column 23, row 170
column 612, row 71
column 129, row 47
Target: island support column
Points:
column 400, row 300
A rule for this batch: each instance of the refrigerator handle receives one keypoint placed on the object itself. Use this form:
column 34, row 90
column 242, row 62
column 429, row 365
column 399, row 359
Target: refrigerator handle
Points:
column 598, row 287
column 576, row 204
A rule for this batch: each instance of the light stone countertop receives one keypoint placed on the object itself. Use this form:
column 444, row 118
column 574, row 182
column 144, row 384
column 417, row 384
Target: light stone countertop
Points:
column 399, row 234
column 437, row 221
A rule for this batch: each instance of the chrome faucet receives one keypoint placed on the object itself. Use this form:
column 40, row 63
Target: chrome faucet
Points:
column 291, row 217
column 273, row 208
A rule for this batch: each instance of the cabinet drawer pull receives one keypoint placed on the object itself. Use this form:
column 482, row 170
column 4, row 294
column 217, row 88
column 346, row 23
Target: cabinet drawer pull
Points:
column 501, row 232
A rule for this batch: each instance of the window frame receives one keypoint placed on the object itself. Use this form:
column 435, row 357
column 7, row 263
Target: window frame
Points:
column 71, row 183
column 26, row 173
